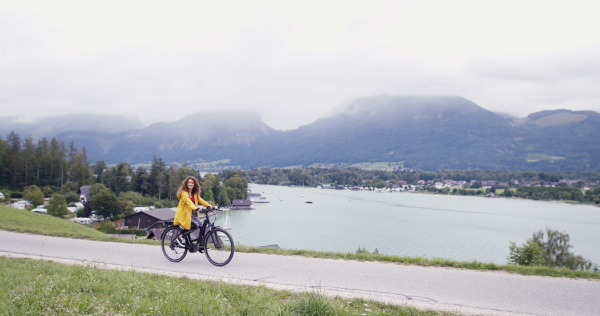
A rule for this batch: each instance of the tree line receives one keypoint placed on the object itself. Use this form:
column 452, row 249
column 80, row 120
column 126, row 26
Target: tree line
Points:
column 54, row 166
column 509, row 183
column 38, row 170
column 43, row 163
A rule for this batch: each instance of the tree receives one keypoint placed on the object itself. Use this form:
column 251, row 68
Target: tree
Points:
column 71, row 197
column 57, row 206
column 161, row 184
column 222, row 196
column 79, row 165
column 97, row 188
column 43, row 161
column 98, row 169
column 34, row 195
column 5, row 167
column 119, row 178
column 210, row 186
column 105, row 203
column 173, row 182
column 57, row 163
column 30, row 160
column 237, row 184
column 553, row 252
column 14, row 140
column 556, row 250
column 70, row 186
column 157, row 166
column 143, row 180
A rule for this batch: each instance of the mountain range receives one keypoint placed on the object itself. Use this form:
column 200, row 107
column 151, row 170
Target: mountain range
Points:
column 421, row 132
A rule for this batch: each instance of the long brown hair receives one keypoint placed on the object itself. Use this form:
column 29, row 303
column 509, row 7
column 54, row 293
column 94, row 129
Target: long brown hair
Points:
column 183, row 187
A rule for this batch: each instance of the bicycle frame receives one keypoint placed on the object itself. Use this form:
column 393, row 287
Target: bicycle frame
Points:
column 202, row 232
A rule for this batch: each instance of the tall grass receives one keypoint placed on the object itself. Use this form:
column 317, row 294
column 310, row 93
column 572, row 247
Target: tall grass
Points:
column 29, row 222
column 34, row 287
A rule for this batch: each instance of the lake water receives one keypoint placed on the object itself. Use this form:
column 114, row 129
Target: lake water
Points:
column 409, row 224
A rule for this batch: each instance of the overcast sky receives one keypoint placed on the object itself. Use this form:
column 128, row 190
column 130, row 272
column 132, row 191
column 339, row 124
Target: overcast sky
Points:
column 293, row 61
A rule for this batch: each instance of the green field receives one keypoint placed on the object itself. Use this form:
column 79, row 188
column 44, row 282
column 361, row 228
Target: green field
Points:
column 36, row 287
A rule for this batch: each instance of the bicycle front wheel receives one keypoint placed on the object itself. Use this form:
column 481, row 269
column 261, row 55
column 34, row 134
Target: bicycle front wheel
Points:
column 172, row 248
column 218, row 246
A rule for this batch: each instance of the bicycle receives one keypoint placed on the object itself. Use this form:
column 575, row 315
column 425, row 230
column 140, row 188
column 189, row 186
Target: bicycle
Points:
column 216, row 242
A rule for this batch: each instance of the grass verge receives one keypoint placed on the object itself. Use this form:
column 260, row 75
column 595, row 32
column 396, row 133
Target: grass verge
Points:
column 12, row 219
column 37, row 287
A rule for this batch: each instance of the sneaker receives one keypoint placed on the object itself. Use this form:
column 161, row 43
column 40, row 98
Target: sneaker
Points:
column 176, row 243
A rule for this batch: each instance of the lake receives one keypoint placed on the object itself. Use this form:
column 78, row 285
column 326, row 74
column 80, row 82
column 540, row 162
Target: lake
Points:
column 409, row 224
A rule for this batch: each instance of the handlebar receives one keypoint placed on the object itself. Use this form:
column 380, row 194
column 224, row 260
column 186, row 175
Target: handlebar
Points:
column 208, row 209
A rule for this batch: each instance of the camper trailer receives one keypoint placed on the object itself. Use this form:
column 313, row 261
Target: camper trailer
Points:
column 82, row 220
column 96, row 218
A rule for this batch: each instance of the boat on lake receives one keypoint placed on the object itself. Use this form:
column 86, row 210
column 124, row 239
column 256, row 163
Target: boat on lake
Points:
column 258, row 198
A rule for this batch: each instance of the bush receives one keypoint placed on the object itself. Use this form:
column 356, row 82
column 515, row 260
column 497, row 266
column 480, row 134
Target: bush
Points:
column 71, row 197
column 57, row 206
column 16, row 195
column 530, row 254
column 137, row 231
column 107, row 227
column 550, row 248
column 35, row 196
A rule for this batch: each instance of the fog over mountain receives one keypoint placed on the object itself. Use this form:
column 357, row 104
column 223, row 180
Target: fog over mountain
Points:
column 53, row 125
column 420, row 132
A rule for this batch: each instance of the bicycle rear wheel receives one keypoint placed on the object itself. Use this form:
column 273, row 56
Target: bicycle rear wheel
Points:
column 173, row 250
column 218, row 246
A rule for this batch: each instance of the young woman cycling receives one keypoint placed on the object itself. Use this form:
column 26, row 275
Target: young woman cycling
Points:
column 186, row 214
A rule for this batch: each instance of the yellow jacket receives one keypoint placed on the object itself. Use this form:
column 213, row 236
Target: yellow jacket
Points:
column 183, row 214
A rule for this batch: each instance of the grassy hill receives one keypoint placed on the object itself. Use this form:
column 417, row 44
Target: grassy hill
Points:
column 40, row 287
column 17, row 220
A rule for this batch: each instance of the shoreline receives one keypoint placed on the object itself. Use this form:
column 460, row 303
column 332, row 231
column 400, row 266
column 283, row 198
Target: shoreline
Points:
column 437, row 193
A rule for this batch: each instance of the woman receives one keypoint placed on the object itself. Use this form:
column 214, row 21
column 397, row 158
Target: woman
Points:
column 189, row 198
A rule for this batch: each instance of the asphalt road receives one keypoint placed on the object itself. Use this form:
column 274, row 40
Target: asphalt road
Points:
column 462, row 291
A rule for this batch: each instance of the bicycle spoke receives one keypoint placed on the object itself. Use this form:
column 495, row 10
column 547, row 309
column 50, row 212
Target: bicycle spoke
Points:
column 172, row 247
column 219, row 247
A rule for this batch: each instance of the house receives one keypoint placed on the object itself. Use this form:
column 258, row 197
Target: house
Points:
column 157, row 218
column 488, row 184
column 241, row 205
column 85, row 194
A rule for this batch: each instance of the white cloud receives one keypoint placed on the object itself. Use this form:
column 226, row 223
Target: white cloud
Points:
column 293, row 63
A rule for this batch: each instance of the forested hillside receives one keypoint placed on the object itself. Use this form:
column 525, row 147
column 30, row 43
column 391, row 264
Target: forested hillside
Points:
column 417, row 132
